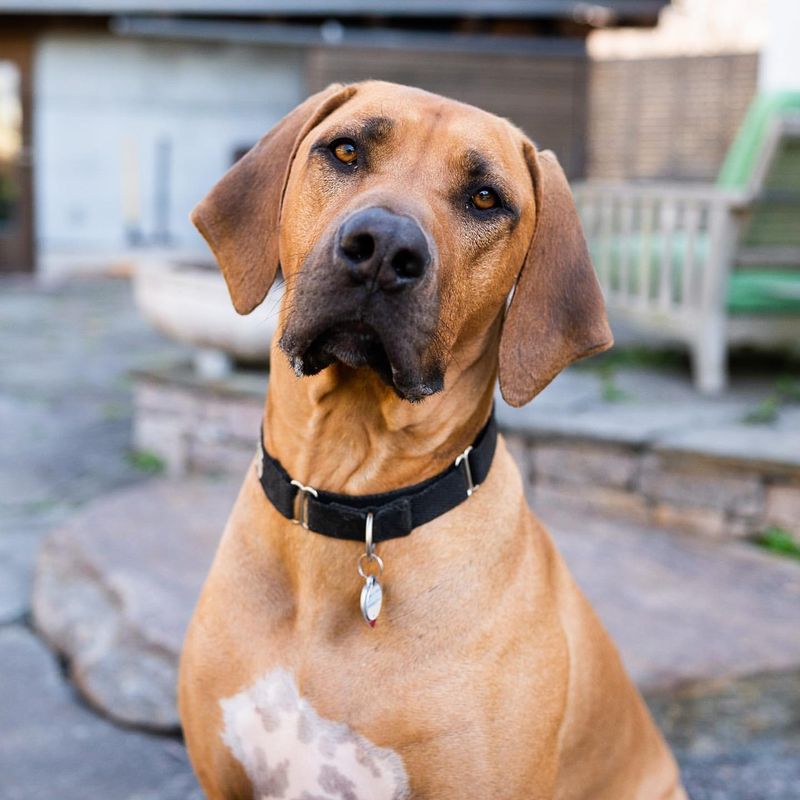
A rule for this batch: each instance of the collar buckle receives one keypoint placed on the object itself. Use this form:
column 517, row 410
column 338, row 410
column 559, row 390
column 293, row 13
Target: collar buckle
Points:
column 304, row 493
column 464, row 459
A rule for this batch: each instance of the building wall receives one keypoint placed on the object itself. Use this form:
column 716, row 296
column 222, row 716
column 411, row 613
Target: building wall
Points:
column 544, row 95
column 669, row 118
column 113, row 114
column 130, row 134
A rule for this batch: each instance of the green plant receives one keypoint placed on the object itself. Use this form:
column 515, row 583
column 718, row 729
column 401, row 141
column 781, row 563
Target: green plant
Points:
column 786, row 391
column 145, row 461
column 778, row 540
column 765, row 413
column 609, row 390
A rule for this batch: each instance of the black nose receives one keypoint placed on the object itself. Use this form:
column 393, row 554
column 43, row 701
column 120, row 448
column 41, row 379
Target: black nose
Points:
column 385, row 249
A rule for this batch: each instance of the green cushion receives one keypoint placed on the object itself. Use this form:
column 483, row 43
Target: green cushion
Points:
column 752, row 291
column 764, row 291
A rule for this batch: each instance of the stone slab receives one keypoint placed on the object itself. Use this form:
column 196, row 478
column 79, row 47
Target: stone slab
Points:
column 758, row 446
column 116, row 586
column 660, row 409
column 616, row 422
column 682, row 608
column 53, row 747
column 115, row 589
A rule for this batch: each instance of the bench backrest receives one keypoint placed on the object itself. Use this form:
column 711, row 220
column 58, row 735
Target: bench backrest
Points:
column 770, row 233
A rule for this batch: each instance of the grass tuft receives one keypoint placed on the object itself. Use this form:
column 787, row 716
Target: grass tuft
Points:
column 786, row 392
column 145, row 461
column 778, row 540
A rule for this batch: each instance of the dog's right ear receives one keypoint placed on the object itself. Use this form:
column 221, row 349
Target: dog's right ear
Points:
column 240, row 216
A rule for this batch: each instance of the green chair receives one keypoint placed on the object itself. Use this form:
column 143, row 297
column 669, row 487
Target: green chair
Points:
column 709, row 265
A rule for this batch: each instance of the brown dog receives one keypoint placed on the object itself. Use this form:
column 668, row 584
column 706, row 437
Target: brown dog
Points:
column 402, row 221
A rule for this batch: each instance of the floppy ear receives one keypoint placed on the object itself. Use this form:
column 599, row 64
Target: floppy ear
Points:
column 240, row 216
column 557, row 314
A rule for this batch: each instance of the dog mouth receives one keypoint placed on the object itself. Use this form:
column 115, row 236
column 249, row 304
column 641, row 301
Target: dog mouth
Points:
column 354, row 344
column 357, row 344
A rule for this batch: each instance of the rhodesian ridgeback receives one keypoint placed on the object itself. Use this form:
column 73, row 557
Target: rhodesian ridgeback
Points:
column 402, row 223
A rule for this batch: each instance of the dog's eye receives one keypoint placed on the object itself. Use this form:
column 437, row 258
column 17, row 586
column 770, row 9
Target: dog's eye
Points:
column 484, row 199
column 345, row 150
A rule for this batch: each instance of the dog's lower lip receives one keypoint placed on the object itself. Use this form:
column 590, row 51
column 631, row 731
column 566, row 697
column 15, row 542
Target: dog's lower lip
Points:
column 353, row 343
column 357, row 344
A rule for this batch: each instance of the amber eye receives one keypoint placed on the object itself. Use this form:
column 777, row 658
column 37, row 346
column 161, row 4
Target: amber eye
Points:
column 484, row 199
column 345, row 150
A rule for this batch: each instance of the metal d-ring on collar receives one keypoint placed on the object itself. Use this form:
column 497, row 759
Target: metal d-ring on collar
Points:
column 304, row 493
column 464, row 459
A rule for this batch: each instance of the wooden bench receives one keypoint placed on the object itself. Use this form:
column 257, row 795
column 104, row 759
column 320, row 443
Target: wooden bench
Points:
column 709, row 265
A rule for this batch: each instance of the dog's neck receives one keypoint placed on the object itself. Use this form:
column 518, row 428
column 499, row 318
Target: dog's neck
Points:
column 345, row 431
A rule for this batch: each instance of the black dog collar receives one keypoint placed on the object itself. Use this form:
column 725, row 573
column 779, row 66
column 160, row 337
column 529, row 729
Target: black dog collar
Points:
column 390, row 514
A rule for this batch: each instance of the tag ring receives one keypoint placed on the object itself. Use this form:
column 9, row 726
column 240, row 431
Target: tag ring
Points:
column 369, row 556
column 372, row 558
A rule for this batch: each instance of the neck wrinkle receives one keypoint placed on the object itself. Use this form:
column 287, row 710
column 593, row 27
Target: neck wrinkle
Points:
column 344, row 431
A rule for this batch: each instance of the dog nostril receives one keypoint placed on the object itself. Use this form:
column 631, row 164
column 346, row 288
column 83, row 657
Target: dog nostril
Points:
column 408, row 264
column 359, row 248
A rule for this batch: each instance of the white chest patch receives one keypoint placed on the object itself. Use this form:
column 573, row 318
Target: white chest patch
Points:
column 289, row 751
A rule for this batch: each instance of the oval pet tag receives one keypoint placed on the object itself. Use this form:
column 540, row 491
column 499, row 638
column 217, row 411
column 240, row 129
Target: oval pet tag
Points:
column 371, row 600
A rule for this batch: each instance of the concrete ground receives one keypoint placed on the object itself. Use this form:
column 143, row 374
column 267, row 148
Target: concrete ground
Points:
column 65, row 422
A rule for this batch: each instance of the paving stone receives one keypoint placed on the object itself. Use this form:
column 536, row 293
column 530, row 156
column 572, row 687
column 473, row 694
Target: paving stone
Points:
column 735, row 740
column 692, row 483
column 708, row 522
column 64, row 410
column 783, row 507
column 591, row 464
column 16, row 568
column 681, row 608
column 53, row 747
column 116, row 586
column 585, row 499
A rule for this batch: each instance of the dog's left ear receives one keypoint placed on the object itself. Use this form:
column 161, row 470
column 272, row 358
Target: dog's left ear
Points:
column 557, row 314
column 240, row 216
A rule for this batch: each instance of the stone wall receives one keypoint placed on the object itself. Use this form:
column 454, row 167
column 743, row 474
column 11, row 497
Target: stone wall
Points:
column 212, row 427
column 716, row 497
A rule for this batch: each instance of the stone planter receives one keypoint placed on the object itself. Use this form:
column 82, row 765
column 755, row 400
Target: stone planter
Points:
column 188, row 301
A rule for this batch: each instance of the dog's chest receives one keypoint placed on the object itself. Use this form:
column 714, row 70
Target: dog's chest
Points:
column 289, row 751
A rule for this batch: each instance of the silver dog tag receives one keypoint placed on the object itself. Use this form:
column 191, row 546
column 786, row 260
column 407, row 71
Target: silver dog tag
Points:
column 371, row 600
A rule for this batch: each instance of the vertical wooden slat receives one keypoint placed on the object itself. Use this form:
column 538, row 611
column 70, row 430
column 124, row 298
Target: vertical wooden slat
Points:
column 647, row 224
column 605, row 236
column 691, row 226
column 625, row 243
column 667, row 219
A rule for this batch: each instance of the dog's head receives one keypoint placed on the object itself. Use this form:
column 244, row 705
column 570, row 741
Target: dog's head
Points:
column 402, row 221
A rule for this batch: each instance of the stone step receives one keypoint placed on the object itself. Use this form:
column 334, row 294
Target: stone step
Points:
column 662, row 455
column 115, row 589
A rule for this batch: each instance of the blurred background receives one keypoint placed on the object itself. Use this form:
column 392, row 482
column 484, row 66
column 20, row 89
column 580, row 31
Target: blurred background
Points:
column 131, row 393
